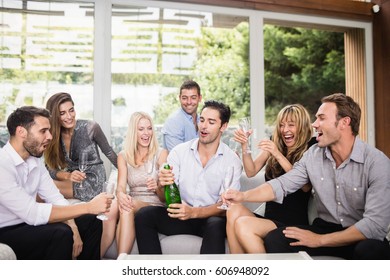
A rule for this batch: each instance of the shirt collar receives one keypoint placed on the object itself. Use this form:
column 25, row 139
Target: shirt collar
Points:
column 357, row 153
column 188, row 116
column 220, row 150
column 17, row 159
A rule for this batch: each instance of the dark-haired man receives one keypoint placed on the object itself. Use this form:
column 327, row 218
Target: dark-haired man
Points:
column 199, row 166
column 52, row 229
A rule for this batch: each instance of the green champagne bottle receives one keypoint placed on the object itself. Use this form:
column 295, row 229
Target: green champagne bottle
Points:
column 172, row 194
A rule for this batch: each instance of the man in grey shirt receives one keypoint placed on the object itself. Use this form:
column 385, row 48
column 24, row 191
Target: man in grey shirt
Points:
column 351, row 190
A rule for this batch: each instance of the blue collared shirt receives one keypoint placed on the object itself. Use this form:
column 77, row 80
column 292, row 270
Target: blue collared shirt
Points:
column 178, row 128
column 355, row 193
column 20, row 182
column 202, row 186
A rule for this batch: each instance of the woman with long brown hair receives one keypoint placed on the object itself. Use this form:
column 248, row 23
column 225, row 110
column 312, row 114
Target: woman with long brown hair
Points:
column 72, row 136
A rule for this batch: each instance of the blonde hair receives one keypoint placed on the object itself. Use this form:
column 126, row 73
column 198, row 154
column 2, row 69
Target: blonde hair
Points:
column 54, row 155
column 130, row 144
column 298, row 114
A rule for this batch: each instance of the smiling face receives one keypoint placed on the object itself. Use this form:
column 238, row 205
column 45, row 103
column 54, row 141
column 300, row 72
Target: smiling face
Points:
column 38, row 137
column 144, row 132
column 288, row 131
column 327, row 125
column 67, row 115
column 210, row 129
column 189, row 100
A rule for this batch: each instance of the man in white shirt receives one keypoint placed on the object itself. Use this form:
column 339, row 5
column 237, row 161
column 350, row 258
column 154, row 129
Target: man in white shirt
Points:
column 182, row 125
column 52, row 229
column 199, row 167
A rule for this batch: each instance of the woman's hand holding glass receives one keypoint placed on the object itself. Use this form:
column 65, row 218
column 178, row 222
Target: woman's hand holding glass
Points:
column 243, row 138
column 245, row 125
column 83, row 165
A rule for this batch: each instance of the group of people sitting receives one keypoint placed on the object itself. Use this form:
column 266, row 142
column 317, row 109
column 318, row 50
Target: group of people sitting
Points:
column 348, row 179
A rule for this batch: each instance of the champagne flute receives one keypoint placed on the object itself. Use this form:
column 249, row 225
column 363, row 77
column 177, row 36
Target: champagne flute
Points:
column 245, row 125
column 108, row 187
column 234, row 146
column 226, row 184
column 83, row 164
column 150, row 165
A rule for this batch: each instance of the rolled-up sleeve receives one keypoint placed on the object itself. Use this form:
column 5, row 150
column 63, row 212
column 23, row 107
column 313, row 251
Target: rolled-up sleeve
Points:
column 376, row 216
column 291, row 181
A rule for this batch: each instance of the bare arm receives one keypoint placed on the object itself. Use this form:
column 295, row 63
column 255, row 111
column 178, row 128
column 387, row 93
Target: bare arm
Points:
column 183, row 211
column 262, row 193
column 251, row 167
column 100, row 203
column 270, row 147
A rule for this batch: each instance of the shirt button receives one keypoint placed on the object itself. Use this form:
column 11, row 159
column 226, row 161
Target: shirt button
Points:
column 337, row 187
column 341, row 220
column 338, row 202
column 355, row 189
column 322, row 179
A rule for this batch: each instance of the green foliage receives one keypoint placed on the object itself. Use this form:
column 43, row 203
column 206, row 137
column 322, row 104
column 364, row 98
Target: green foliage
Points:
column 301, row 66
column 167, row 105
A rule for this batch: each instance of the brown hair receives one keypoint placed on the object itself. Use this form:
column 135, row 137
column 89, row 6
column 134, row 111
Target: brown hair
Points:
column 54, row 156
column 346, row 107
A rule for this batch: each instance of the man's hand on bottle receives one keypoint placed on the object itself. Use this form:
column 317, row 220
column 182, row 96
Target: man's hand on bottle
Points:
column 181, row 211
column 165, row 177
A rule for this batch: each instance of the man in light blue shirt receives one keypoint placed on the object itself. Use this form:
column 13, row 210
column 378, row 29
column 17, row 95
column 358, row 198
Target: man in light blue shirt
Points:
column 182, row 125
column 198, row 168
column 351, row 190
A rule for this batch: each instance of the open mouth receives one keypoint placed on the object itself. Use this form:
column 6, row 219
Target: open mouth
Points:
column 203, row 133
column 288, row 138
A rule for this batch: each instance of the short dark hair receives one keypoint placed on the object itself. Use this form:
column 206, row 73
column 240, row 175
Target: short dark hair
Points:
column 190, row 84
column 223, row 109
column 24, row 116
column 346, row 107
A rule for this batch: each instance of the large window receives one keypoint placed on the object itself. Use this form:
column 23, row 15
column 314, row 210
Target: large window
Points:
column 45, row 47
column 119, row 56
column 155, row 49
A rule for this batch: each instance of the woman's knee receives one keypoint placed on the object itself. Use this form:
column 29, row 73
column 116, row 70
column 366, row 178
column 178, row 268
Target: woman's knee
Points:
column 236, row 211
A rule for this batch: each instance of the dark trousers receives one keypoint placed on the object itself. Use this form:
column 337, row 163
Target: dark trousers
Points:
column 151, row 220
column 369, row 249
column 53, row 241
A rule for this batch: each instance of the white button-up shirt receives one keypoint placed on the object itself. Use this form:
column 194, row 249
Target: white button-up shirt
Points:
column 20, row 182
column 202, row 186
